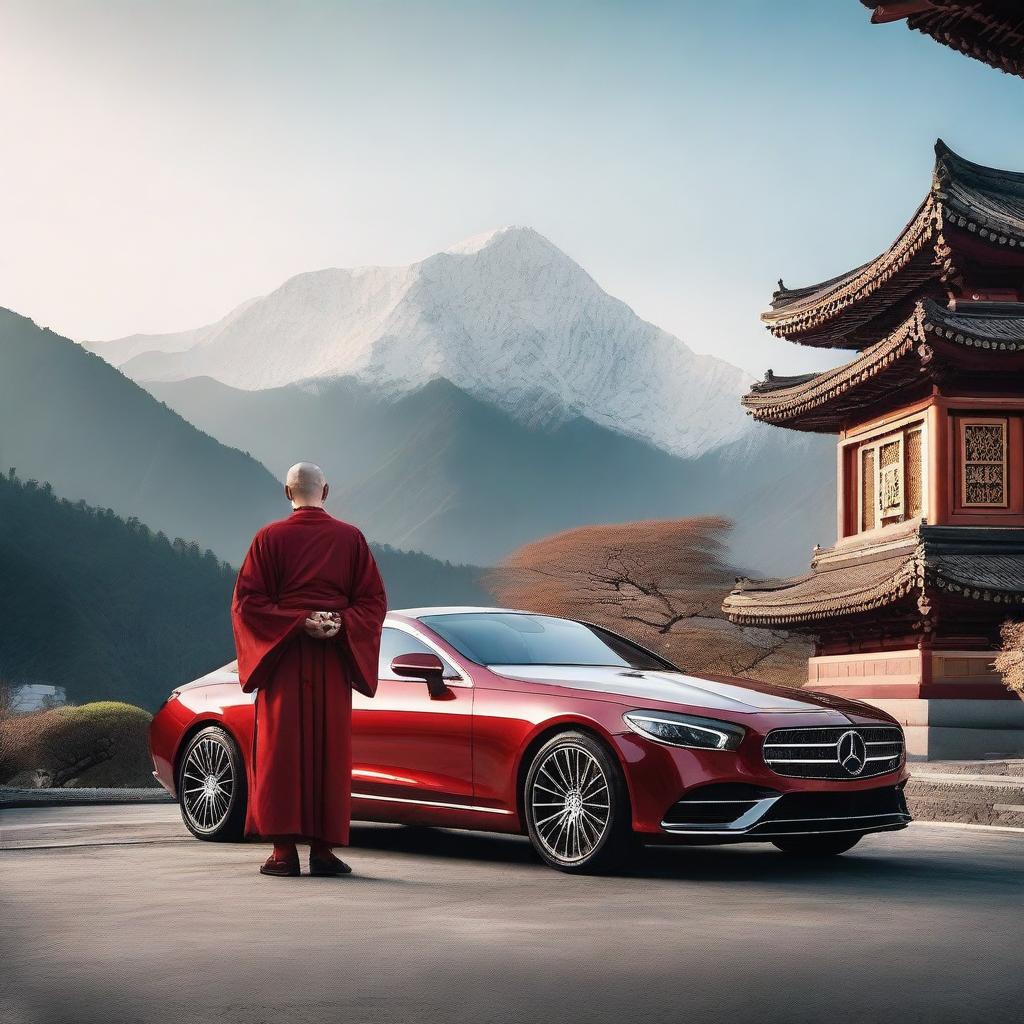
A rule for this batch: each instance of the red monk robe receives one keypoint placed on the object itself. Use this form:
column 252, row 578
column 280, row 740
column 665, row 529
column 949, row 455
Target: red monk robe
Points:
column 300, row 771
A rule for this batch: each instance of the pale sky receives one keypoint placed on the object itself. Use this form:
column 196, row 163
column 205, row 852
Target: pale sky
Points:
column 163, row 161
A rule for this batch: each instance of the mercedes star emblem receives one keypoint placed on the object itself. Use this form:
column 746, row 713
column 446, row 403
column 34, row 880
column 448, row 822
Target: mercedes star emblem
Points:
column 852, row 752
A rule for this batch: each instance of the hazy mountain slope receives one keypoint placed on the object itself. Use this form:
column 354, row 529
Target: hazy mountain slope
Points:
column 104, row 607
column 118, row 352
column 507, row 317
column 441, row 471
column 68, row 417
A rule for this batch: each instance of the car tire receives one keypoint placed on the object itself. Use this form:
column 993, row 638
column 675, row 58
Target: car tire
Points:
column 817, row 846
column 212, row 811
column 568, row 781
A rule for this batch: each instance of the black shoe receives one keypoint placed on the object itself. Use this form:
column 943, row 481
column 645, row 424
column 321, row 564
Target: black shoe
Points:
column 329, row 865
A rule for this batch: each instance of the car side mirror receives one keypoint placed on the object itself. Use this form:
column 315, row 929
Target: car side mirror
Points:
column 428, row 667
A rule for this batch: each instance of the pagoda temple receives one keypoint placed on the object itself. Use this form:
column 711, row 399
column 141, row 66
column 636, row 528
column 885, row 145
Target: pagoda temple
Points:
column 987, row 30
column 905, row 609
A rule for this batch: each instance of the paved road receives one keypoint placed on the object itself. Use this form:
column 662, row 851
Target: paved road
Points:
column 114, row 914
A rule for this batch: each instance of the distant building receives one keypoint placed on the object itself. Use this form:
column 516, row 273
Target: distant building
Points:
column 906, row 608
column 36, row 697
column 987, row 30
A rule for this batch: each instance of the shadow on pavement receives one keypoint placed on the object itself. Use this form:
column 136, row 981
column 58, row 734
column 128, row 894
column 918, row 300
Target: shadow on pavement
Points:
column 869, row 865
column 423, row 841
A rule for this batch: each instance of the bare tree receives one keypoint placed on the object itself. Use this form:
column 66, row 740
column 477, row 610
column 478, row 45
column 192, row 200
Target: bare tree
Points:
column 7, row 744
column 1010, row 661
column 660, row 582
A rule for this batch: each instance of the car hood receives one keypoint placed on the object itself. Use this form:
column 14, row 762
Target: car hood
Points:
column 742, row 696
column 225, row 674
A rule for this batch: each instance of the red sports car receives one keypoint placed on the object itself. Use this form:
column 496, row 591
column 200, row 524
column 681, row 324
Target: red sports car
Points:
column 508, row 721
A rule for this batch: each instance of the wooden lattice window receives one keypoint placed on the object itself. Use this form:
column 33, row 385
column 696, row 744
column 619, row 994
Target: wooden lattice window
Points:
column 913, row 454
column 867, row 489
column 891, row 484
column 890, row 478
column 983, row 463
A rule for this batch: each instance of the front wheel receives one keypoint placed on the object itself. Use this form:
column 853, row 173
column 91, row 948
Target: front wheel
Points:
column 211, row 786
column 817, row 846
column 577, row 806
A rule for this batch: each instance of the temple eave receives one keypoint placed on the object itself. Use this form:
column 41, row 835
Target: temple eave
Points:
column 981, row 29
column 968, row 205
column 988, row 335
column 930, row 566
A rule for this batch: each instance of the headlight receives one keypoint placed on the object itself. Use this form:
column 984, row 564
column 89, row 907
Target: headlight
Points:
column 173, row 695
column 685, row 730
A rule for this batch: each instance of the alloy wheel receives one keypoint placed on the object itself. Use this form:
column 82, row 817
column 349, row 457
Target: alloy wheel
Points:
column 570, row 801
column 207, row 784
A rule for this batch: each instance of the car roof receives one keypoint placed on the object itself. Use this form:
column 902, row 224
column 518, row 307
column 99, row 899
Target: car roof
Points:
column 455, row 609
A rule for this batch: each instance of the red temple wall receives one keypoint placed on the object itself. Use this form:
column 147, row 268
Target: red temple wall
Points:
column 939, row 488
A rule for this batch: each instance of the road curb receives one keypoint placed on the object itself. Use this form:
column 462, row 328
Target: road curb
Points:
column 973, row 825
column 989, row 800
column 11, row 798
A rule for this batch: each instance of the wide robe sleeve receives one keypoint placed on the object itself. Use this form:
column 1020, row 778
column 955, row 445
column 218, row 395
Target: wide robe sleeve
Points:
column 261, row 626
column 364, row 618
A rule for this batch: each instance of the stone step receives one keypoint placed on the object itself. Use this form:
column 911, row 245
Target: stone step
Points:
column 974, row 799
column 1013, row 767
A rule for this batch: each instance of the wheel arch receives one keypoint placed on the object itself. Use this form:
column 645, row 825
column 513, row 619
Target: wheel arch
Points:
column 548, row 732
column 197, row 726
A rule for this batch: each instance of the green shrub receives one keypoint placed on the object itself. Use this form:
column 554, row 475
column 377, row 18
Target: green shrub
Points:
column 99, row 744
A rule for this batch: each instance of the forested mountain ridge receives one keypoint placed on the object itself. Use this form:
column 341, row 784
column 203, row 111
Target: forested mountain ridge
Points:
column 102, row 605
column 69, row 417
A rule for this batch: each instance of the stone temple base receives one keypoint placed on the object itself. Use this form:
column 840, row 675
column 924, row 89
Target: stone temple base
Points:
column 952, row 704
column 954, row 730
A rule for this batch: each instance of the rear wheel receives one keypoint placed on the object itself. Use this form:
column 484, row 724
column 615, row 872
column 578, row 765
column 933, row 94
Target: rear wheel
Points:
column 577, row 806
column 817, row 846
column 211, row 786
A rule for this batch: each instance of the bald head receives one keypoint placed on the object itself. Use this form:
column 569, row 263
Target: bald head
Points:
column 306, row 485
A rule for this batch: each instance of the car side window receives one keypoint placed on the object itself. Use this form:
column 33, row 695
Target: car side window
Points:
column 394, row 642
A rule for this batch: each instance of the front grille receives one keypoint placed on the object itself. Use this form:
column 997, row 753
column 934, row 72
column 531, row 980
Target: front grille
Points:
column 814, row 753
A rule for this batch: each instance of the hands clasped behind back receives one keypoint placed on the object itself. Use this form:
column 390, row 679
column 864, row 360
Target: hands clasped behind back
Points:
column 323, row 625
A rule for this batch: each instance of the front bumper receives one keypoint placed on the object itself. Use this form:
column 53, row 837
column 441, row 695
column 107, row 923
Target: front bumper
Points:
column 688, row 795
column 761, row 814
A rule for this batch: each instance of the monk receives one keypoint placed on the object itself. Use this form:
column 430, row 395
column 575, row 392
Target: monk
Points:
column 307, row 615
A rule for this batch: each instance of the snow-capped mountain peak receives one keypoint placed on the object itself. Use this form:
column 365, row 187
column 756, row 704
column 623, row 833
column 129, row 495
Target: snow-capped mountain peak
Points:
column 505, row 315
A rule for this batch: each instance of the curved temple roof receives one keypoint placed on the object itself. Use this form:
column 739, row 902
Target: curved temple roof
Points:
column 962, row 562
column 854, row 309
column 987, row 334
column 991, row 31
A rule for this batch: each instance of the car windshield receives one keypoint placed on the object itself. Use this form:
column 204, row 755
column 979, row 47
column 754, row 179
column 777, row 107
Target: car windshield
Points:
column 518, row 638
